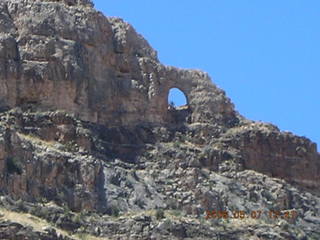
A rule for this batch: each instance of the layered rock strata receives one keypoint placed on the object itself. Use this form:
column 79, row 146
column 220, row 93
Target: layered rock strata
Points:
column 85, row 128
column 60, row 55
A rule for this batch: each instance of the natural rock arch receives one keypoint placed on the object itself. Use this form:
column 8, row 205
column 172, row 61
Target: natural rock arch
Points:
column 178, row 114
column 111, row 77
column 206, row 102
column 178, row 93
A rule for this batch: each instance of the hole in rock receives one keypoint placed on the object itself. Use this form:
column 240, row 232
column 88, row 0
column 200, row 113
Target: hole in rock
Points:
column 176, row 98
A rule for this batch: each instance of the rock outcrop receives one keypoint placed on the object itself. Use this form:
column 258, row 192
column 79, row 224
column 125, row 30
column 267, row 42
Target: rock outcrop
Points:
column 88, row 143
column 60, row 55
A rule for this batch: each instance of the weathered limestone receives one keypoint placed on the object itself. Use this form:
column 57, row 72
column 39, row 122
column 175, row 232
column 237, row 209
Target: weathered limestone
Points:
column 64, row 55
column 59, row 56
column 279, row 154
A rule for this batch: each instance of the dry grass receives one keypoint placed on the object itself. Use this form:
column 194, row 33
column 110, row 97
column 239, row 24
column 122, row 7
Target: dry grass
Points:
column 83, row 236
column 39, row 224
column 36, row 140
column 27, row 219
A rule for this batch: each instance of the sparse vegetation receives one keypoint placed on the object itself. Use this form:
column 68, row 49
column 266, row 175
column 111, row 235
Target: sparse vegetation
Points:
column 14, row 165
column 77, row 219
column 114, row 211
column 36, row 140
column 66, row 210
column 20, row 206
column 38, row 224
column 85, row 236
column 71, row 146
column 159, row 214
column 176, row 144
column 140, row 203
column 176, row 213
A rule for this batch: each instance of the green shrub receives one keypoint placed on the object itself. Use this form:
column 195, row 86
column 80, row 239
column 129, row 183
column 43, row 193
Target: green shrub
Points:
column 66, row 210
column 44, row 212
column 77, row 219
column 176, row 144
column 71, row 146
column 159, row 214
column 114, row 211
column 140, row 203
column 176, row 213
column 14, row 165
column 21, row 206
column 82, row 236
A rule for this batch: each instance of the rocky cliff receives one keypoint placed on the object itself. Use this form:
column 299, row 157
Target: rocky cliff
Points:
column 71, row 57
column 90, row 149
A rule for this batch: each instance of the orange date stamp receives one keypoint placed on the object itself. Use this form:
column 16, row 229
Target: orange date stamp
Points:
column 238, row 214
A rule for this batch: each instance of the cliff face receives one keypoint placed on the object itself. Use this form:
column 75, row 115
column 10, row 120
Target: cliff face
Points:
column 85, row 126
column 69, row 56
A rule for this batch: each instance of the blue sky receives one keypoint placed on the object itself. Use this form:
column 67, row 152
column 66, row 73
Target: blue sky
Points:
column 264, row 54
